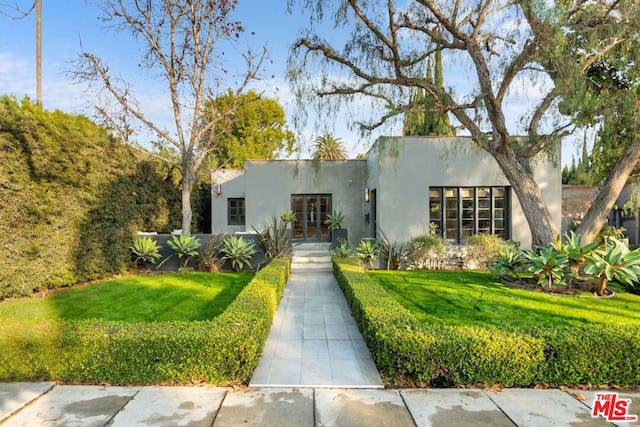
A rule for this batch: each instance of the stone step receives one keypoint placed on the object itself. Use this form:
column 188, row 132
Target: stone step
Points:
column 312, row 246
column 311, row 259
column 311, row 266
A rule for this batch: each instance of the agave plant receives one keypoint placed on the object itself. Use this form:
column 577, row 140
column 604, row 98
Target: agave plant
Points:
column 238, row 251
column 288, row 217
column 509, row 263
column 145, row 249
column 393, row 253
column 548, row 265
column 334, row 220
column 185, row 246
column 368, row 251
column 613, row 261
column 344, row 250
column 576, row 251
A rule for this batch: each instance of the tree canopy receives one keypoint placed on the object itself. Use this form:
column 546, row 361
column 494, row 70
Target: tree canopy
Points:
column 181, row 43
column 256, row 129
column 507, row 49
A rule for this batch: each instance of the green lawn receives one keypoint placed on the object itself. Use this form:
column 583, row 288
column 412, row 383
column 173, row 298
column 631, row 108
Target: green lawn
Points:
column 473, row 298
column 141, row 298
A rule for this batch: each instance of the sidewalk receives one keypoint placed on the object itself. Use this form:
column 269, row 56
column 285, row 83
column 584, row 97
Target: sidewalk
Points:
column 47, row 404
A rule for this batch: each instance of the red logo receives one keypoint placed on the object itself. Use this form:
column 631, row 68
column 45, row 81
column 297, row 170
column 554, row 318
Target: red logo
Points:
column 612, row 408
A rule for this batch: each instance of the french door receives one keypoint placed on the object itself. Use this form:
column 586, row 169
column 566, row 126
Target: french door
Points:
column 311, row 212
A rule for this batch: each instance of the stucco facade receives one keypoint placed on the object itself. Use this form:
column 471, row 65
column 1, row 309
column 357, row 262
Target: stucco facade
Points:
column 392, row 191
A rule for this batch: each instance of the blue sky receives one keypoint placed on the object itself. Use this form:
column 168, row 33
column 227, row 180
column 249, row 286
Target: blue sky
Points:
column 65, row 27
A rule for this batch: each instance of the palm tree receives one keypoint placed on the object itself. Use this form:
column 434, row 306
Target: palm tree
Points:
column 328, row 147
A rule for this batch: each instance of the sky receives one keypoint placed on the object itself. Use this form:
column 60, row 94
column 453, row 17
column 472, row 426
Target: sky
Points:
column 68, row 24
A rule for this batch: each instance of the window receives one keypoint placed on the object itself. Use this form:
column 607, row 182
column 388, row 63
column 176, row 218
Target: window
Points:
column 235, row 211
column 458, row 212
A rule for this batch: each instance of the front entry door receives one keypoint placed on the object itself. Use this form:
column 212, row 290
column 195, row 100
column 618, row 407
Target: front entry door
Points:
column 311, row 212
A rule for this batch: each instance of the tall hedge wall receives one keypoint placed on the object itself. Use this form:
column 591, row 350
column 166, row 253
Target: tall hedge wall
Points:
column 72, row 198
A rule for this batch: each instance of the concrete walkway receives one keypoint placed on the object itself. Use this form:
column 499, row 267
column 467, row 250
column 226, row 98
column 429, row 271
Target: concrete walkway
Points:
column 314, row 340
column 47, row 404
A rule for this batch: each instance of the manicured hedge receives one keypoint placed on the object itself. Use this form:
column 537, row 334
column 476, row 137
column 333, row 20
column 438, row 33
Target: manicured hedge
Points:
column 436, row 355
column 72, row 198
column 223, row 350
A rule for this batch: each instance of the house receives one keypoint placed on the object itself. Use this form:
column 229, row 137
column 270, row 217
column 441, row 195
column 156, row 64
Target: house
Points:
column 405, row 186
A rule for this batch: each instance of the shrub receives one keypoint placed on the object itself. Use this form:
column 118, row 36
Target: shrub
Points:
column 424, row 249
column 219, row 351
column 484, row 249
column 72, row 199
column 444, row 356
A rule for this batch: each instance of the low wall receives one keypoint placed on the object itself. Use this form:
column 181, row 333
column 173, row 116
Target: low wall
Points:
column 172, row 264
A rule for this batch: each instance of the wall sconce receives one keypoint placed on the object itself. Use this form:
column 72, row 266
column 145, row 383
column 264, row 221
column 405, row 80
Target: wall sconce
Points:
column 366, row 195
column 218, row 189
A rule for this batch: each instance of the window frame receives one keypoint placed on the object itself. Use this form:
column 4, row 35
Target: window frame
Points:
column 456, row 204
column 236, row 211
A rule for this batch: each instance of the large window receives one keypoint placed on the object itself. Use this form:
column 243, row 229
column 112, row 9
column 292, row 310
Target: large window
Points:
column 235, row 211
column 458, row 212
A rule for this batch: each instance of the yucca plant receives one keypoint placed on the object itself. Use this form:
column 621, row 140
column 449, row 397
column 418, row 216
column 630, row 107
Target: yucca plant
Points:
column 613, row 261
column 238, row 251
column 368, row 251
column 145, row 249
column 287, row 217
column 393, row 253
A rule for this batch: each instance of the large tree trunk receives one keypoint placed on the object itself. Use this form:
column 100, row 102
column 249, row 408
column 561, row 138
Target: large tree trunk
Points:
column 543, row 229
column 597, row 214
column 188, row 178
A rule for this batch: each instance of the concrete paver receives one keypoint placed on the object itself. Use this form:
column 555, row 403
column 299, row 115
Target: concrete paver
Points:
column 551, row 407
column 267, row 407
column 454, row 407
column 82, row 406
column 314, row 340
column 172, row 406
column 14, row 396
column 361, row 407
column 297, row 407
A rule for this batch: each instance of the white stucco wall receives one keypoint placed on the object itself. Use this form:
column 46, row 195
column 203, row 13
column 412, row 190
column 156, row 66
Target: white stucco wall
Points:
column 403, row 168
column 267, row 186
column 232, row 185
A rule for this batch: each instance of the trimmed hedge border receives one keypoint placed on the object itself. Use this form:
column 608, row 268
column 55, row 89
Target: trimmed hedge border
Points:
column 445, row 356
column 220, row 351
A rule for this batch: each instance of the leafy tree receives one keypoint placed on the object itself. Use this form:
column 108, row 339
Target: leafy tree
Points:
column 328, row 147
column 506, row 45
column 255, row 130
column 181, row 41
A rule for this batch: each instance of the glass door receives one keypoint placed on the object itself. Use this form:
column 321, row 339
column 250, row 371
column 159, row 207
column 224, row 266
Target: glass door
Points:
column 311, row 212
